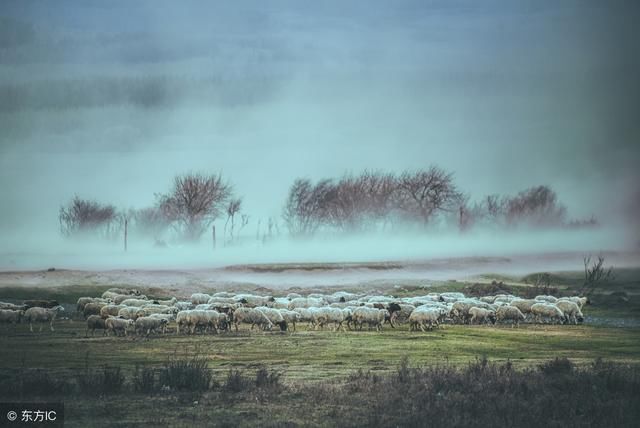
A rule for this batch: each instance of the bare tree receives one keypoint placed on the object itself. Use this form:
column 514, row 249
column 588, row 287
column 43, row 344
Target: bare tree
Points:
column 151, row 222
column 537, row 206
column 195, row 202
column 424, row 193
column 595, row 274
column 306, row 206
column 82, row 216
column 233, row 208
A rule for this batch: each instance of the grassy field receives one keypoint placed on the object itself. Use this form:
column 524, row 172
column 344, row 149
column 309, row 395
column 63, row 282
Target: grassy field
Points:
column 313, row 355
column 313, row 365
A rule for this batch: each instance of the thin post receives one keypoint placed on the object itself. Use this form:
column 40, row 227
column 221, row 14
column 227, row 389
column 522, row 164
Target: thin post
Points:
column 126, row 222
column 213, row 235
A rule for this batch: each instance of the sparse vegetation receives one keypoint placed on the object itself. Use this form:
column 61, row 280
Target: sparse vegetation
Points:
column 86, row 217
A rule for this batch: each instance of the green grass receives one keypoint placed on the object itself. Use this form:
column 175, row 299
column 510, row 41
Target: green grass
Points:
column 313, row 355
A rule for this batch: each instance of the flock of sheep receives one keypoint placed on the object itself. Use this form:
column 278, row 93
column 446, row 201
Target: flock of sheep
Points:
column 121, row 311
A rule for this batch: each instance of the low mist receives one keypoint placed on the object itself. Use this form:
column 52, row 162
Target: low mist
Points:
column 111, row 101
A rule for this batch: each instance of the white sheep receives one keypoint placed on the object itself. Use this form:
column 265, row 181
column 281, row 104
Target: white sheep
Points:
column 110, row 310
column 133, row 302
column 83, row 301
column 326, row 315
column 9, row 316
column 122, row 297
column 371, row 316
column 199, row 298
column 118, row 325
column 543, row 312
column 580, row 301
column 509, row 313
column 42, row 315
column 274, row 316
column 95, row 322
column 147, row 325
column 544, row 298
column 571, row 311
column 424, row 317
column 251, row 316
column 291, row 317
column 524, row 305
column 482, row 315
column 129, row 312
column 93, row 308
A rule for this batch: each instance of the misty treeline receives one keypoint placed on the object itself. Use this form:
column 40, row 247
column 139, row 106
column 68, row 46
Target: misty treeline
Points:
column 192, row 204
column 377, row 200
column 370, row 201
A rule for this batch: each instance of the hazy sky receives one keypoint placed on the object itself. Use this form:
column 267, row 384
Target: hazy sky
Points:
column 109, row 100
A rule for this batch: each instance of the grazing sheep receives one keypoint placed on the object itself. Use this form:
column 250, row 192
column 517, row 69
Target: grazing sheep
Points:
column 9, row 316
column 42, row 315
column 580, row 301
column 524, row 305
column 122, row 297
column 251, row 300
column 291, row 317
column 168, row 302
column 274, row 316
column 127, row 291
column 92, row 309
column 183, row 306
column 221, row 300
column 129, row 312
column 278, row 303
column 147, row 310
column 504, row 298
column 199, row 298
column 305, row 315
column 292, row 296
column 147, row 325
column 253, row 317
column 118, row 326
column 204, row 319
column 482, row 316
column 544, row 312
column 327, row 315
column 371, row 316
column 509, row 313
column 305, row 302
column 12, row 307
column 133, row 302
column 403, row 315
column 223, row 294
column 548, row 299
column 95, row 322
column 424, row 317
column 83, row 301
column 110, row 310
column 460, row 310
column 571, row 310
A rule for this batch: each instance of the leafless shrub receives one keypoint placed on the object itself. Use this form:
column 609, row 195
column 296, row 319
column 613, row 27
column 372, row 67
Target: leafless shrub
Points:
column 82, row 216
column 595, row 274
column 194, row 203
column 424, row 193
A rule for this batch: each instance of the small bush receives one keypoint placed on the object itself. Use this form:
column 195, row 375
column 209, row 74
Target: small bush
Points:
column 557, row 366
column 42, row 383
column 144, row 380
column 236, row 382
column 109, row 380
column 186, row 373
column 266, row 379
